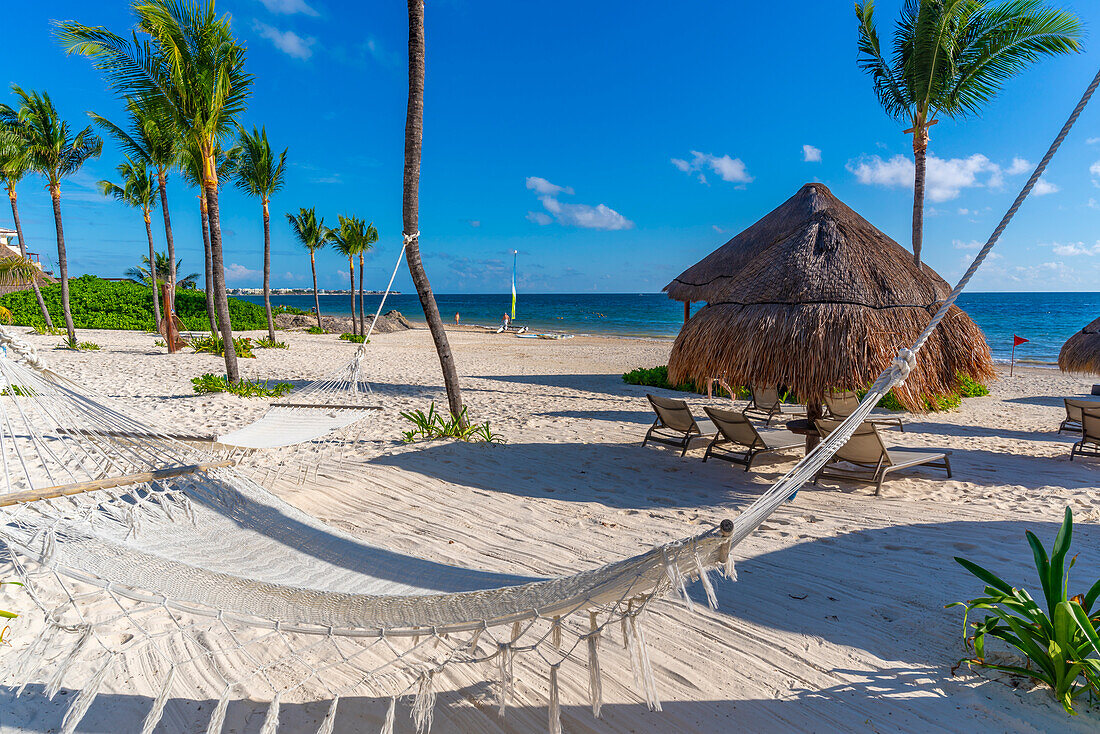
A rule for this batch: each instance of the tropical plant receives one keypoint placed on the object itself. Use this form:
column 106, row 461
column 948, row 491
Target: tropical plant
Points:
column 15, row 163
column 140, row 273
column 310, row 230
column 137, row 191
column 370, row 237
column 156, row 145
column 210, row 383
column 270, row 344
column 191, row 166
column 78, row 346
column 214, row 345
column 410, row 205
column 4, row 613
column 349, row 239
column 190, row 64
column 353, row 338
column 1059, row 643
column 950, row 58
column 56, row 153
column 316, row 330
column 432, row 425
column 260, row 173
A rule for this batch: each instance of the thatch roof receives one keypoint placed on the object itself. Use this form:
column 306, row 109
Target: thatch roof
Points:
column 1081, row 352
column 813, row 297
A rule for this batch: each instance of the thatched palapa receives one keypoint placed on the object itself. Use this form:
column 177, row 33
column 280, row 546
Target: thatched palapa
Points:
column 1081, row 352
column 813, row 297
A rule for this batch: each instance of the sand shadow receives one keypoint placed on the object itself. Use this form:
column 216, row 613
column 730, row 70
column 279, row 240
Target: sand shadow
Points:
column 951, row 429
column 641, row 417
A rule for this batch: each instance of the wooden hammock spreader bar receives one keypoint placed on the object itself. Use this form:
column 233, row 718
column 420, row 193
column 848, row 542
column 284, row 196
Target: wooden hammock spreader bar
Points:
column 209, row 438
column 339, row 406
column 65, row 490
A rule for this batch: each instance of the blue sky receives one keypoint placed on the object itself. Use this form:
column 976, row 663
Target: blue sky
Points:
column 612, row 144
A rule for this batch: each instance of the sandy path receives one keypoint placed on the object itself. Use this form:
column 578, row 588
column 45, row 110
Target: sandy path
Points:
column 837, row 621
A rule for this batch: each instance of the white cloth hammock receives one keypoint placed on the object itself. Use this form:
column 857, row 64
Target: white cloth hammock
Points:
column 134, row 545
column 319, row 408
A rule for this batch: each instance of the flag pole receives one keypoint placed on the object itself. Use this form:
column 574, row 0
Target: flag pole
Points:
column 515, row 253
column 1012, row 361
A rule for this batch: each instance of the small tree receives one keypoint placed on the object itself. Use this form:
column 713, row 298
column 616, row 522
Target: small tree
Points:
column 370, row 237
column 138, row 191
column 15, row 163
column 260, row 173
column 348, row 240
column 55, row 153
column 313, row 234
column 951, row 57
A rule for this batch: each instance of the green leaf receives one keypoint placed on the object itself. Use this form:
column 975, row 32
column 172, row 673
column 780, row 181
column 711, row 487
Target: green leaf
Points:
column 986, row 576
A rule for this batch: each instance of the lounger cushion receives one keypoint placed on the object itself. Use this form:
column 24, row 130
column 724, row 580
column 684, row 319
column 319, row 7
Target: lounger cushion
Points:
column 775, row 438
column 706, row 428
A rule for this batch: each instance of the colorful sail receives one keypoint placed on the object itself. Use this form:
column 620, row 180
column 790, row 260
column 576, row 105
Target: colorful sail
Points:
column 514, row 253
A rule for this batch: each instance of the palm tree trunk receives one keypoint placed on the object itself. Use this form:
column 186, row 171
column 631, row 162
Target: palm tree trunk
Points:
column 209, row 269
column 23, row 251
column 267, row 272
column 351, row 271
column 169, row 308
column 152, row 259
column 920, row 152
column 217, row 265
column 362, row 312
column 410, row 202
column 62, row 262
column 316, row 296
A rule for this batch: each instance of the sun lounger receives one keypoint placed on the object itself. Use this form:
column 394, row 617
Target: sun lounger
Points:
column 1074, row 406
column 766, row 405
column 1089, row 445
column 871, row 458
column 842, row 404
column 740, row 442
column 675, row 425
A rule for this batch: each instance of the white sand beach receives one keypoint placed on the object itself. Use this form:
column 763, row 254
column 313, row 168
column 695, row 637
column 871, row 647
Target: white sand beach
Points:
column 836, row 623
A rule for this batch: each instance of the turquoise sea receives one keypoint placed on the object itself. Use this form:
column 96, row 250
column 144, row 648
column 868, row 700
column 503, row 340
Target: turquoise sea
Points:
column 1046, row 319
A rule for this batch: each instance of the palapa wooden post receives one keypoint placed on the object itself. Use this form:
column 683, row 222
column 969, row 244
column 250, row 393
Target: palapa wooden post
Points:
column 687, row 311
column 169, row 327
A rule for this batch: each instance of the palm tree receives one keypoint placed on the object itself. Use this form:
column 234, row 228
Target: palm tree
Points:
column 410, row 202
column 348, row 240
column 260, row 173
column 313, row 234
column 15, row 163
column 370, row 236
column 193, row 66
column 155, row 144
column 16, row 271
column 139, row 191
column 55, row 153
column 951, row 57
column 140, row 273
column 191, row 167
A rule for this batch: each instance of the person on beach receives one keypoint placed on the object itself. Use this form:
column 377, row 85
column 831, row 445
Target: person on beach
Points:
column 456, row 318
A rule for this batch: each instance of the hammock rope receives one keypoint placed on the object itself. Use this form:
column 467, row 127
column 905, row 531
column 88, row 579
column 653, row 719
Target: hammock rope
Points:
column 205, row 577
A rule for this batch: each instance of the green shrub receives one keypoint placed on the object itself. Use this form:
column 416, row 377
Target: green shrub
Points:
column 1059, row 644
column 43, row 330
column 433, row 425
column 78, row 346
column 266, row 343
column 104, row 304
column 210, row 383
column 213, row 345
column 353, row 338
column 315, row 330
column 291, row 310
column 967, row 388
column 971, row 388
column 658, row 377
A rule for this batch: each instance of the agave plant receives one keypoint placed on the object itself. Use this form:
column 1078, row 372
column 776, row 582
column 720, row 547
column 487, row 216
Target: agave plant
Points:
column 1060, row 642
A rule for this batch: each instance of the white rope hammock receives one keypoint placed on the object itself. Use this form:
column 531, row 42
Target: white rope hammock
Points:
column 319, row 408
column 136, row 546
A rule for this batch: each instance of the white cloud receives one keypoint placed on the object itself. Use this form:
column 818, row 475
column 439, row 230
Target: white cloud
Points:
column 1092, row 204
column 971, row 245
column 728, row 169
column 542, row 186
column 1072, row 249
column 600, row 216
column 288, row 42
column 1044, row 187
column 235, row 272
column 963, row 211
column 1093, row 141
column 474, row 222
column 1019, row 165
column 718, row 229
column 1094, row 169
column 810, row 154
column 289, row 7
column 945, row 178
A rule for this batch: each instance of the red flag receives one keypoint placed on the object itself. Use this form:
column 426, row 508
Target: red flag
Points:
column 1018, row 340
